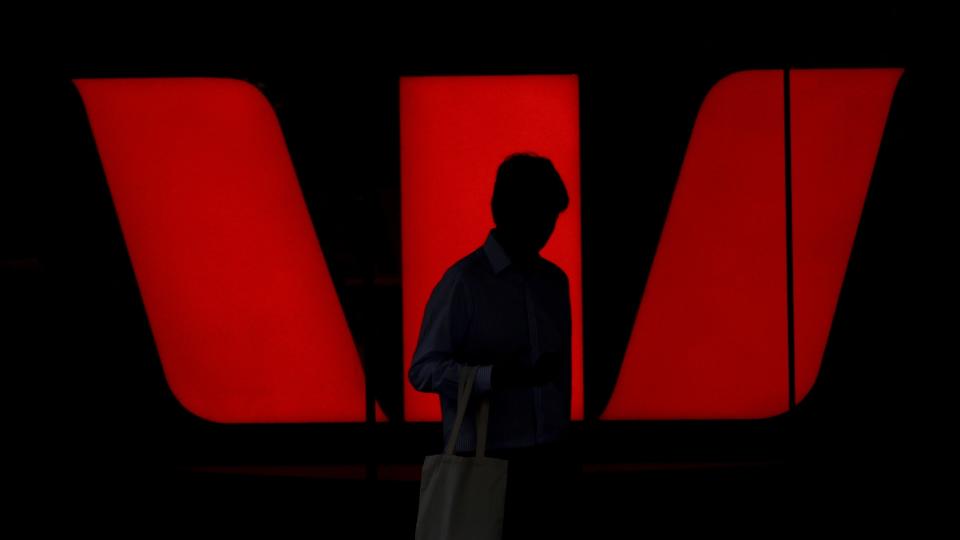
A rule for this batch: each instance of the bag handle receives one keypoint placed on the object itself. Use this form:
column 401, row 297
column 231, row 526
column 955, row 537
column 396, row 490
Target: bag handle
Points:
column 467, row 376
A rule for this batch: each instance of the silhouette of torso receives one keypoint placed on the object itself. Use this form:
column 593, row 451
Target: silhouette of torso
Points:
column 484, row 307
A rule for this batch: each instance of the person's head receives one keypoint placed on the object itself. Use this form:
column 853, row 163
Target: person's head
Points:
column 528, row 197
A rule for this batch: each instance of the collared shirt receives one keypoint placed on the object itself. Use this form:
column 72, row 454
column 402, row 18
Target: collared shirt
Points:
column 485, row 307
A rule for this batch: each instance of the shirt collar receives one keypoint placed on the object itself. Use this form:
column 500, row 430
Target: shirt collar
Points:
column 495, row 253
column 498, row 257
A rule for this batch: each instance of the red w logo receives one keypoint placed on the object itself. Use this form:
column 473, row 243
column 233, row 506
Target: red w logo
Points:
column 249, row 327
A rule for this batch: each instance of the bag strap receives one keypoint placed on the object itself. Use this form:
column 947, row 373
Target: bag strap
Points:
column 482, row 417
column 467, row 376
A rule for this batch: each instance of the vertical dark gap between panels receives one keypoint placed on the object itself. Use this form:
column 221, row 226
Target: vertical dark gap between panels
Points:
column 789, row 203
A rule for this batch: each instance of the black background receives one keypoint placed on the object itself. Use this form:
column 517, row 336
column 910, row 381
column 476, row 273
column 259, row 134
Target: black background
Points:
column 88, row 394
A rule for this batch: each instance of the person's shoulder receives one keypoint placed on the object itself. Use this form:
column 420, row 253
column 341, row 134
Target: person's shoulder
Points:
column 471, row 264
column 465, row 268
column 553, row 271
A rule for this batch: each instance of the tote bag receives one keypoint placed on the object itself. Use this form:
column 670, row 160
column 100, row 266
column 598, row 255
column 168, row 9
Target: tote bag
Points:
column 461, row 496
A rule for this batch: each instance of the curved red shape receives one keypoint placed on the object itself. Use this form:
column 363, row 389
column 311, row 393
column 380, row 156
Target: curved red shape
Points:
column 710, row 338
column 246, row 320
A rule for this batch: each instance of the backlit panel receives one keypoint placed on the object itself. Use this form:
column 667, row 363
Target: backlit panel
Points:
column 236, row 289
column 454, row 132
column 710, row 336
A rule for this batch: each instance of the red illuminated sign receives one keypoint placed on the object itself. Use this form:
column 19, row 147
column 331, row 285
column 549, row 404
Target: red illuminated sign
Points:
column 454, row 132
column 247, row 322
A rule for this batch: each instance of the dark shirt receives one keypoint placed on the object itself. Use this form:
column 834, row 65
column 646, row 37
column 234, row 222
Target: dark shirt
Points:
column 479, row 310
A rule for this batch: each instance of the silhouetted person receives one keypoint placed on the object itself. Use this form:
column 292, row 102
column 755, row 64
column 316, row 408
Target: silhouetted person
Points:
column 507, row 309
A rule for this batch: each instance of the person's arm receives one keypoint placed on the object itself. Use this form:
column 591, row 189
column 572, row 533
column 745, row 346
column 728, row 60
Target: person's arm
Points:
column 555, row 366
column 437, row 362
column 566, row 330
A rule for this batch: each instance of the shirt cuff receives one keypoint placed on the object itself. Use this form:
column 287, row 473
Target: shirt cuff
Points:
column 482, row 380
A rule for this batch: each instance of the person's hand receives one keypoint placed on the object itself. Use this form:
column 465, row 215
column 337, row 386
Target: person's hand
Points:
column 470, row 358
column 549, row 367
column 512, row 371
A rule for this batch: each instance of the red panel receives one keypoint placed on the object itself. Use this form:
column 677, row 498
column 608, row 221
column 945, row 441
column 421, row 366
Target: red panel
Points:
column 837, row 121
column 710, row 337
column 244, row 314
column 455, row 131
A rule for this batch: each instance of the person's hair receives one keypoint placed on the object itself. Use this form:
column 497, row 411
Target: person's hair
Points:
column 526, row 182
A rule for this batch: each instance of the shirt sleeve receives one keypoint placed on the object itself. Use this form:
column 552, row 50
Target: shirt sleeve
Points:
column 436, row 362
column 482, row 385
column 567, row 335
